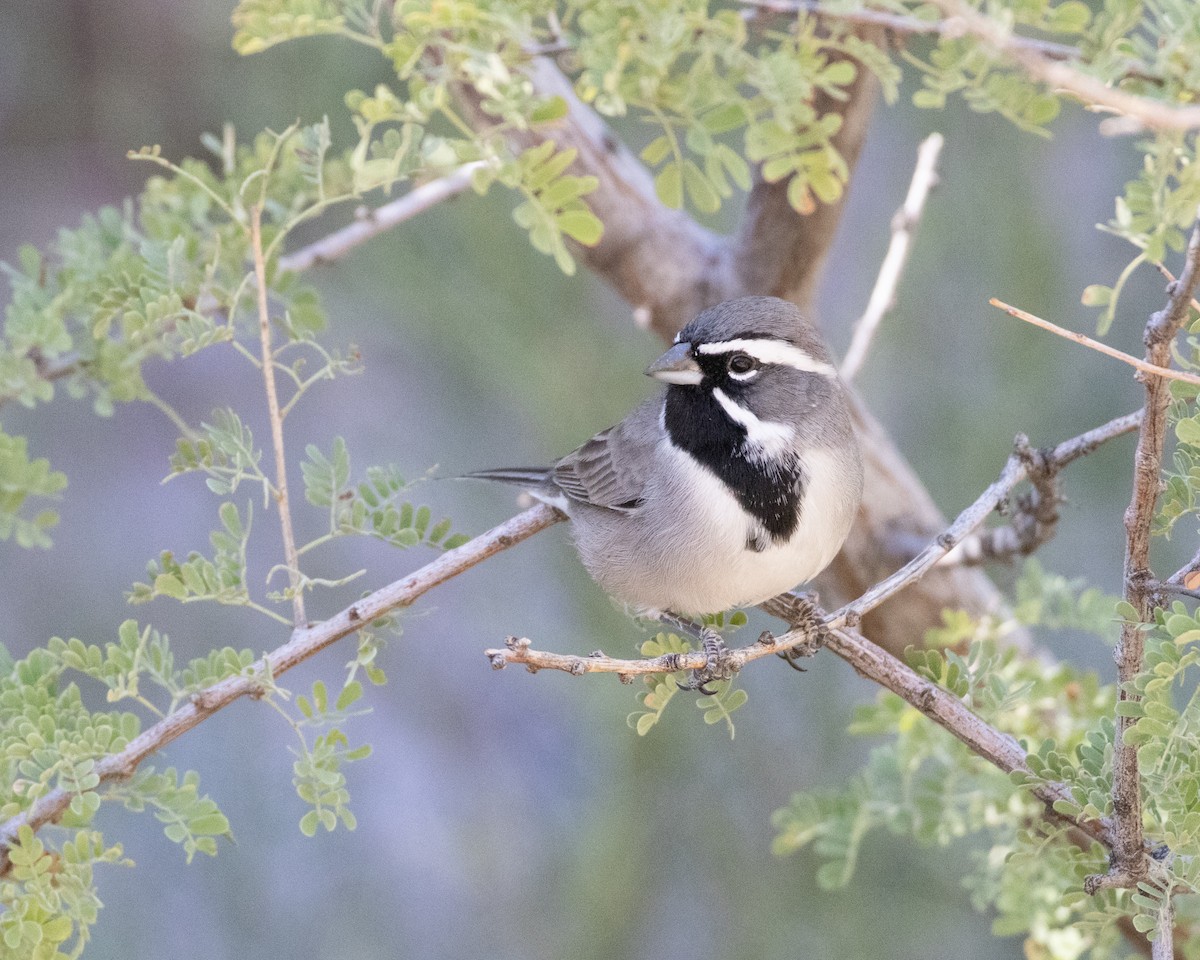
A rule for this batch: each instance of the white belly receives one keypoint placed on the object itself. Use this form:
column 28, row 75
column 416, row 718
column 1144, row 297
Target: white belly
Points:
column 707, row 567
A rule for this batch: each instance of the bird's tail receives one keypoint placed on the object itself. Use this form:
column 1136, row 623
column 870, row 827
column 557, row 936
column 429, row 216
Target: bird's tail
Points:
column 517, row 476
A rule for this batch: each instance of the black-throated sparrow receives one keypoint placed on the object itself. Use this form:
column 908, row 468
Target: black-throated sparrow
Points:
column 736, row 484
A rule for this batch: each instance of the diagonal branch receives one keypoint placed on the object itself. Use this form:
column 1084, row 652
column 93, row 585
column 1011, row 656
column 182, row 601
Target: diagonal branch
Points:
column 904, row 228
column 302, row 645
column 660, row 260
column 898, row 24
column 1167, row 373
column 1135, row 113
column 373, row 222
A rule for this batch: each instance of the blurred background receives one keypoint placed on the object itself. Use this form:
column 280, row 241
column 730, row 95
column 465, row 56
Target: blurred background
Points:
column 506, row 815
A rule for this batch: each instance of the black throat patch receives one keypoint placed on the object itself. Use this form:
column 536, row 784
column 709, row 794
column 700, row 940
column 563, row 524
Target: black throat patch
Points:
column 770, row 491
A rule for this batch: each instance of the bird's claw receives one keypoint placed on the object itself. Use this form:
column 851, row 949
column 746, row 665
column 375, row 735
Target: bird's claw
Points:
column 805, row 618
column 718, row 665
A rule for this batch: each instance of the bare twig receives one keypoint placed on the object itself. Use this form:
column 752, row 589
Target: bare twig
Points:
column 280, row 490
column 1187, row 576
column 371, row 223
column 904, row 228
column 1128, row 864
column 302, row 645
column 1135, row 112
column 1167, row 373
column 1170, row 278
column 1032, row 521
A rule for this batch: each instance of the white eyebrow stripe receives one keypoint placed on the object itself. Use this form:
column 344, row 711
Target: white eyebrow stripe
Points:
column 765, row 350
column 766, row 438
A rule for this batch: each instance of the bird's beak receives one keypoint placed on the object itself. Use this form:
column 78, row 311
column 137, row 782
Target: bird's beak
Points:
column 676, row 366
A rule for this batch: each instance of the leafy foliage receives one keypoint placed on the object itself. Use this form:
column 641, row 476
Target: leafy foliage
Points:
column 717, row 708
column 370, row 508
column 717, row 87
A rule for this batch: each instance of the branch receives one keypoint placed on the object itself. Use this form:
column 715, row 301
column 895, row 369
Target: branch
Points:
column 1135, row 113
column 1128, row 863
column 665, row 264
column 904, row 228
column 866, row 657
column 1033, row 522
column 1167, row 373
column 302, row 645
column 371, row 223
column 280, row 490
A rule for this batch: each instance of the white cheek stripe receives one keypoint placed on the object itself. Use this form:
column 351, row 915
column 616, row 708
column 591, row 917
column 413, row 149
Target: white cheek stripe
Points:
column 767, row 438
column 772, row 351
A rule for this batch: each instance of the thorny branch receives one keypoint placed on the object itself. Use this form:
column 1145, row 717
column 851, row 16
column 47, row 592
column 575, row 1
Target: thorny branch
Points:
column 904, row 228
column 1128, row 864
column 302, row 645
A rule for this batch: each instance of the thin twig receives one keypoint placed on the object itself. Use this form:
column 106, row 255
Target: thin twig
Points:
column 1157, row 370
column 1170, row 278
column 336, row 245
column 268, row 371
column 1135, row 113
column 1128, row 864
column 904, row 228
column 302, row 645
column 1032, row 520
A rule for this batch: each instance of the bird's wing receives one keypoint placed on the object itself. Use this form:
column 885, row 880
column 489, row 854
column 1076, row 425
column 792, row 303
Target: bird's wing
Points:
column 610, row 469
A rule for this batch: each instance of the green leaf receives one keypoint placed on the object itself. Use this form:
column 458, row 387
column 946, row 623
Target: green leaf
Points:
column 700, row 190
column 350, row 693
column 669, row 186
column 552, row 108
column 656, row 151
column 840, row 74
column 581, row 225
column 722, row 119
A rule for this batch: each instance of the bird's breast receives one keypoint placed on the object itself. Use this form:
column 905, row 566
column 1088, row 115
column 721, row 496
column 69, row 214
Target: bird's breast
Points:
column 691, row 549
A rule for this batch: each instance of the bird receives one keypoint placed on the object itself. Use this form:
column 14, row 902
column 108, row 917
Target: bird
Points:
column 737, row 482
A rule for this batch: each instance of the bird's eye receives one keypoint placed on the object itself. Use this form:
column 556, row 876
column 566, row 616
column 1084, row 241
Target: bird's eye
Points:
column 741, row 363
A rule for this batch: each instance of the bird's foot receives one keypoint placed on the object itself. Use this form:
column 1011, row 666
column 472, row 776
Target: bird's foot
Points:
column 804, row 617
column 719, row 665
